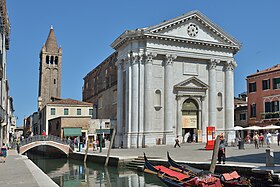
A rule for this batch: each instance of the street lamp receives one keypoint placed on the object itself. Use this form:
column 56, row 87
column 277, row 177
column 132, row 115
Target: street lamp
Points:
column 100, row 137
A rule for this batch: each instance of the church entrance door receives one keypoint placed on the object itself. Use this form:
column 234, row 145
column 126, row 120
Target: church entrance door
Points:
column 190, row 120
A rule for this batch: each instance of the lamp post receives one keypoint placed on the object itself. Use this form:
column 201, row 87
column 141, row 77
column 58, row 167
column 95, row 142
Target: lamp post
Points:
column 100, row 141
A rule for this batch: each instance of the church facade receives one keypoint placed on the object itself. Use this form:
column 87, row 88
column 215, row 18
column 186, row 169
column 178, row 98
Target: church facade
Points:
column 173, row 78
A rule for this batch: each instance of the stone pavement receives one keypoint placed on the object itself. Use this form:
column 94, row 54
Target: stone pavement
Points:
column 20, row 171
column 195, row 152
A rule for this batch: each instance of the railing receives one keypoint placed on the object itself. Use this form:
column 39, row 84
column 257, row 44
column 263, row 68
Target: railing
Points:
column 43, row 138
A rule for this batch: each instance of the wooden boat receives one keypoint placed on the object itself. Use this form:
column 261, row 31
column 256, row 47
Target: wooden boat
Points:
column 177, row 179
column 227, row 179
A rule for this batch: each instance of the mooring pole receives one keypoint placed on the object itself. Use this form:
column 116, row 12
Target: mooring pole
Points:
column 109, row 150
column 86, row 152
column 215, row 154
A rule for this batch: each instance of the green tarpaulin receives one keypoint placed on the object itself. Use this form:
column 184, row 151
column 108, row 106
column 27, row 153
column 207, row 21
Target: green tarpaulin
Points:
column 72, row 132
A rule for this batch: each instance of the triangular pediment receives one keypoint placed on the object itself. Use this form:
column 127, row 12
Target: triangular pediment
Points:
column 193, row 26
column 191, row 83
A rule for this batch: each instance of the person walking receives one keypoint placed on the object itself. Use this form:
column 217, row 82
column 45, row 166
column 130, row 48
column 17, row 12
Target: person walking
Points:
column 177, row 142
column 4, row 152
column 261, row 139
column 222, row 150
column 268, row 139
column 187, row 136
column 256, row 140
column 278, row 138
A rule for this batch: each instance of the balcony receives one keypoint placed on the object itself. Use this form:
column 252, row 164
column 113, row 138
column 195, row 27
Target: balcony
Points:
column 270, row 115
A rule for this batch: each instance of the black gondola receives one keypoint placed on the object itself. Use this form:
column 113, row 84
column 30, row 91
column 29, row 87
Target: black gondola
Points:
column 236, row 180
column 185, row 180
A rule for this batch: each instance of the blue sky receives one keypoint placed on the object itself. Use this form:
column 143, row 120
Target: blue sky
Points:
column 85, row 29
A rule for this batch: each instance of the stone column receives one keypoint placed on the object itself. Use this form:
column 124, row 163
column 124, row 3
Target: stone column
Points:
column 229, row 99
column 141, row 142
column 213, row 93
column 120, row 132
column 148, row 96
column 135, row 100
column 169, row 98
column 128, row 104
column 203, row 118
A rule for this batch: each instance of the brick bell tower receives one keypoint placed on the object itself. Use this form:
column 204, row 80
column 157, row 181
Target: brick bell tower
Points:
column 50, row 70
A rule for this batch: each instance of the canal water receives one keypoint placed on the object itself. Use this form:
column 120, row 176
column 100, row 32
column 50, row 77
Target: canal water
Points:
column 69, row 172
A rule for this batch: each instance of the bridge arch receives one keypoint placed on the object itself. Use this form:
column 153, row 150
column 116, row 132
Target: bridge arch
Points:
column 39, row 140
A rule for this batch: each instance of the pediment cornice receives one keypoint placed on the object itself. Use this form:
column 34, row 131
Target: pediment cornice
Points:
column 156, row 32
column 192, row 83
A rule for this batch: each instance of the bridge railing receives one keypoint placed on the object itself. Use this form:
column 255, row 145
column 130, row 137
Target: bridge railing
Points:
column 43, row 138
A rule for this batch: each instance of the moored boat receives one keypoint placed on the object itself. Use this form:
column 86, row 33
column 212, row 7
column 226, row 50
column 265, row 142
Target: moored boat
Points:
column 227, row 179
column 178, row 179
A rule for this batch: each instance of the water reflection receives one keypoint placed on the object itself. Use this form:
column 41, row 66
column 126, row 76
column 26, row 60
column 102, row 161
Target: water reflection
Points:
column 74, row 173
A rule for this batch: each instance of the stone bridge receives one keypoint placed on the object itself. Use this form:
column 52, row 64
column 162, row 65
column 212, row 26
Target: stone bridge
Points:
column 49, row 140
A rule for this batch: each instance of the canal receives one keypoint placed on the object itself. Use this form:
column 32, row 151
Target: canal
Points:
column 69, row 172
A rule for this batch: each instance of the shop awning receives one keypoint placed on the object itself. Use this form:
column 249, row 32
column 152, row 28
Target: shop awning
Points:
column 100, row 131
column 72, row 132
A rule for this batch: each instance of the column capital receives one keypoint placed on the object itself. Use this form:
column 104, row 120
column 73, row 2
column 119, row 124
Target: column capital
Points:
column 213, row 63
column 149, row 57
column 230, row 65
column 170, row 58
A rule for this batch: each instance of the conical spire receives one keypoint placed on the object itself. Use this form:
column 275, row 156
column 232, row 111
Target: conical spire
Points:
column 51, row 45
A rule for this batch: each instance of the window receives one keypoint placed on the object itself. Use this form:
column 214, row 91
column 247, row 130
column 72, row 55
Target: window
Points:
column 157, row 99
column 276, row 83
column 242, row 117
column 275, row 106
column 66, row 111
column 47, row 59
column 54, row 81
column 90, row 112
column 52, row 111
column 267, row 107
column 219, row 100
column 51, row 60
column 100, row 102
column 252, row 87
column 253, row 110
column 79, row 111
column 56, row 60
column 266, row 84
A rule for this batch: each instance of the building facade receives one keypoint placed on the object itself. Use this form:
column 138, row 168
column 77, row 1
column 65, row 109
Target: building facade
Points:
column 65, row 110
column 263, row 97
column 4, row 88
column 240, row 112
column 100, row 89
column 173, row 78
column 50, row 70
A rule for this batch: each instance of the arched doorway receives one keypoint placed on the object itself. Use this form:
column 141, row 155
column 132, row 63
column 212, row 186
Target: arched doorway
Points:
column 190, row 113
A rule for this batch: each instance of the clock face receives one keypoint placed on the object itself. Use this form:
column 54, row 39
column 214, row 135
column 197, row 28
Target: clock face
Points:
column 192, row 30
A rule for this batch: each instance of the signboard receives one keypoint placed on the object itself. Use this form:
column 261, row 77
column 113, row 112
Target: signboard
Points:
column 210, row 138
column 189, row 121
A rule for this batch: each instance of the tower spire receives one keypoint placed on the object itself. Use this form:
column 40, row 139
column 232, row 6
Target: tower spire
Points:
column 51, row 44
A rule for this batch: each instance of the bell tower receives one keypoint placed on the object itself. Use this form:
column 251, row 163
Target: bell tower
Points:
column 50, row 70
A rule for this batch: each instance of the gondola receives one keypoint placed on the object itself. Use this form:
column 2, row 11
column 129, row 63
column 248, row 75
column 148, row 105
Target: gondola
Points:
column 227, row 179
column 177, row 179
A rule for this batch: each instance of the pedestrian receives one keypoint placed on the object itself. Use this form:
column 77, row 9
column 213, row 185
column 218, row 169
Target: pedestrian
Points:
column 44, row 133
column 248, row 138
column 187, row 136
column 4, row 152
column 261, row 139
column 268, row 139
column 194, row 138
column 18, row 145
column 278, row 138
column 256, row 140
column 177, row 142
column 222, row 150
